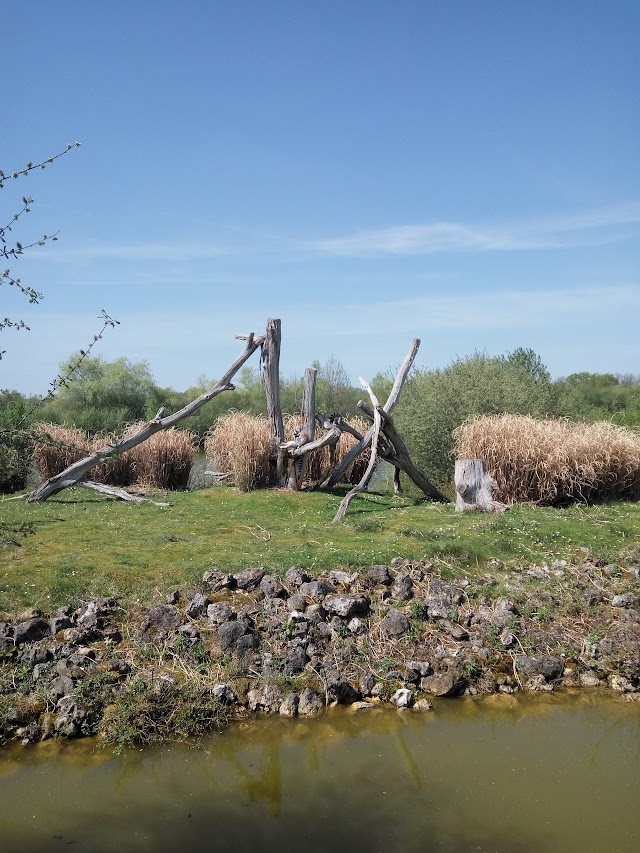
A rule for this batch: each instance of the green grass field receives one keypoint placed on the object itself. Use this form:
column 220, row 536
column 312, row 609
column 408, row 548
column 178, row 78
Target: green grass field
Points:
column 82, row 544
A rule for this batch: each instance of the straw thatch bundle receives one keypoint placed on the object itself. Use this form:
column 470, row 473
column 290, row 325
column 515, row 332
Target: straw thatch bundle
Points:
column 241, row 444
column 163, row 461
column 554, row 461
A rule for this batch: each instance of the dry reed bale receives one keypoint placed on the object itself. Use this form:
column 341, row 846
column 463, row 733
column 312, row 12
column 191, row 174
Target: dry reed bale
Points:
column 57, row 446
column 240, row 444
column 164, row 460
column 553, row 461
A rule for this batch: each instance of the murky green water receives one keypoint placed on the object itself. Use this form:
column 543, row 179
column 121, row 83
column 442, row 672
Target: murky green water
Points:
column 543, row 774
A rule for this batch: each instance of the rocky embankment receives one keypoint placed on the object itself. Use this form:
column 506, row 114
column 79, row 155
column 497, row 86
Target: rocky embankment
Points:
column 251, row 642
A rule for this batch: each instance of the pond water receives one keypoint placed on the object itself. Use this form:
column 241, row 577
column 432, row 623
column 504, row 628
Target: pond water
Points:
column 504, row 774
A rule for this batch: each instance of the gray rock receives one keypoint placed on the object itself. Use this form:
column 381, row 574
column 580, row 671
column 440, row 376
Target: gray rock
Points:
column 272, row 588
column 626, row 599
column 173, row 597
column 265, row 698
column 550, row 667
column 402, row 698
column 443, row 684
column 229, row 633
column 454, row 630
column 295, row 660
column 274, row 607
column 249, row 579
column 366, row 684
column 591, row 597
column 296, row 602
column 316, row 590
column 438, row 608
column 357, row 627
column 289, row 708
column 30, row 631
column 75, row 666
column 504, row 613
column 346, row 606
column 402, row 589
column 245, row 644
column 394, row 624
column 197, row 606
column 60, row 686
column 441, row 590
column 342, row 578
column 378, row 575
column 220, row 611
column 59, row 623
column 309, row 703
column 224, row 694
column 215, row 580
column 315, row 613
column 296, row 576
column 71, row 715
column 160, row 623
column 629, row 614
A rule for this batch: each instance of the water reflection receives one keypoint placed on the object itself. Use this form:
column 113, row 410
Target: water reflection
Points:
column 514, row 775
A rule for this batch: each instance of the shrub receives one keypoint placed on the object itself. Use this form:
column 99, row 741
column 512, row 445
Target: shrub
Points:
column 435, row 402
column 553, row 461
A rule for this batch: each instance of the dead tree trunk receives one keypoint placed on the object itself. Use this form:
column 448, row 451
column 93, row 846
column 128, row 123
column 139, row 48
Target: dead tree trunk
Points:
column 388, row 407
column 292, row 466
column 271, row 375
column 474, row 486
column 76, row 472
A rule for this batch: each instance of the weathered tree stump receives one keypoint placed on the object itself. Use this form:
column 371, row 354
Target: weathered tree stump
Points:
column 474, row 487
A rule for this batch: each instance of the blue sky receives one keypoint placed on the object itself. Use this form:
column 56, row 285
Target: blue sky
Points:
column 370, row 172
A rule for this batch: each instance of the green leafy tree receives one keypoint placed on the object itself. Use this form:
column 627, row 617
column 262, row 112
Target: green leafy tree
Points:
column 599, row 396
column 435, row 402
column 104, row 395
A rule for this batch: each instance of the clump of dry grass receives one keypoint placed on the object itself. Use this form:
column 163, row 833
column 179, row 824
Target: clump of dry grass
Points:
column 554, row 461
column 163, row 461
column 57, row 447
column 241, row 444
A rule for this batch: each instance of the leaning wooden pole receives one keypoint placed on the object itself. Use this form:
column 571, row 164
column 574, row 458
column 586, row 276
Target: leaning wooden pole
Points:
column 392, row 399
column 71, row 475
column 373, row 459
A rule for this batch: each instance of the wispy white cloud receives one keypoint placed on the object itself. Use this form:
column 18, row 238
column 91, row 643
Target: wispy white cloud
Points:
column 599, row 226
